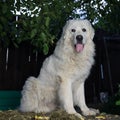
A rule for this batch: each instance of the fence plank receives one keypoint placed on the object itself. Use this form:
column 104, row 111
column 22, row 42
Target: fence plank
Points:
column 2, row 66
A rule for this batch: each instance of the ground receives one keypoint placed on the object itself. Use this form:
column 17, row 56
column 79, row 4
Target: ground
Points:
column 56, row 115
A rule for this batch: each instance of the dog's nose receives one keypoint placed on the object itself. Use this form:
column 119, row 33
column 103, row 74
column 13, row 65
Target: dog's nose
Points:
column 79, row 38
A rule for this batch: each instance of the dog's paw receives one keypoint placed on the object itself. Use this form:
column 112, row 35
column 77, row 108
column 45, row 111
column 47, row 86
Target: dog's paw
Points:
column 76, row 114
column 90, row 112
column 79, row 116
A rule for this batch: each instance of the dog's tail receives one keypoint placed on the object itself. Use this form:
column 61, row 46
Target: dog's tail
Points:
column 28, row 101
column 37, row 96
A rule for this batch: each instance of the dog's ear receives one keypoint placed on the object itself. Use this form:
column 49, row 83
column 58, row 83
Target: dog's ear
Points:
column 91, row 29
column 65, row 33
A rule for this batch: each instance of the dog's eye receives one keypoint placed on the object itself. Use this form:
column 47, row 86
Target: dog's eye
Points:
column 73, row 30
column 84, row 30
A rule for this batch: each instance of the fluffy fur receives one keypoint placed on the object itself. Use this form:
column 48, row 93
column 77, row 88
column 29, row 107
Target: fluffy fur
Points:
column 62, row 76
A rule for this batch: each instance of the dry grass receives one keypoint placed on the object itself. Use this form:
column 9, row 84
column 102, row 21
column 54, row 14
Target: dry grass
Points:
column 56, row 115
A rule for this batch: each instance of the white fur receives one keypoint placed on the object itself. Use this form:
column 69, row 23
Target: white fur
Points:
column 62, row 76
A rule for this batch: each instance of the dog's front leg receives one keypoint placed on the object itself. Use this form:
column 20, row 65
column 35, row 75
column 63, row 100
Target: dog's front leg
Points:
column 80, row 99
column 66, row 98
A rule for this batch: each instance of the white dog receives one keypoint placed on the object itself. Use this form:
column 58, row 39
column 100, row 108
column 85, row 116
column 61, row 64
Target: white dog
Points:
column 63, row 74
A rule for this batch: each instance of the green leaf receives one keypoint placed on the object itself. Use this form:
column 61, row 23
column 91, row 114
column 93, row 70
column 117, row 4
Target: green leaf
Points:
column 117, row 102
column 43, row 36
column 45, row 49
column 33, row 33
column 47, row 21
column 24, row 23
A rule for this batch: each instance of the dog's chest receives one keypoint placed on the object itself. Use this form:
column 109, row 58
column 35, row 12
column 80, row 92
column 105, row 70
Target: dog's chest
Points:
column 75, row 70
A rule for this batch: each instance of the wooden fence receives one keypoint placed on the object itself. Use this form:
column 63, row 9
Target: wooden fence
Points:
column 17, row 64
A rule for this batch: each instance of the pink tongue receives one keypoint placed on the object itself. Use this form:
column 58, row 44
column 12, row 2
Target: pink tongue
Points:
column 79, row 47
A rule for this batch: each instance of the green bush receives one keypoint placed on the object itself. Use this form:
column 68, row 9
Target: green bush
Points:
column 118, row 96
column 42, row 26
column 6, row 18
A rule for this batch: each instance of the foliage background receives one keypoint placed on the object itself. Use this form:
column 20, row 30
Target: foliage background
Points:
column 41, row 26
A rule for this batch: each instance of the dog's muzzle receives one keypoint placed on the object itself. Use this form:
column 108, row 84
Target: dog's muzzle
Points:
column 79, row 43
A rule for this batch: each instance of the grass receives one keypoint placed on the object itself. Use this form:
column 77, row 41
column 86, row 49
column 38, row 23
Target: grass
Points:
column 56, row 115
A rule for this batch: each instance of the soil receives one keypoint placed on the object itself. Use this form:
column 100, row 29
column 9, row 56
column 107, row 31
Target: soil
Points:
column 56, row 115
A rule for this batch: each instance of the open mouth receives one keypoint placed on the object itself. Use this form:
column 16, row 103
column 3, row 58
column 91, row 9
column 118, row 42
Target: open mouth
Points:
column 79, row 47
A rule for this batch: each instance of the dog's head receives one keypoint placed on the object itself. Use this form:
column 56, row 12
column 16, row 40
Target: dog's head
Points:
column 78, row 33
